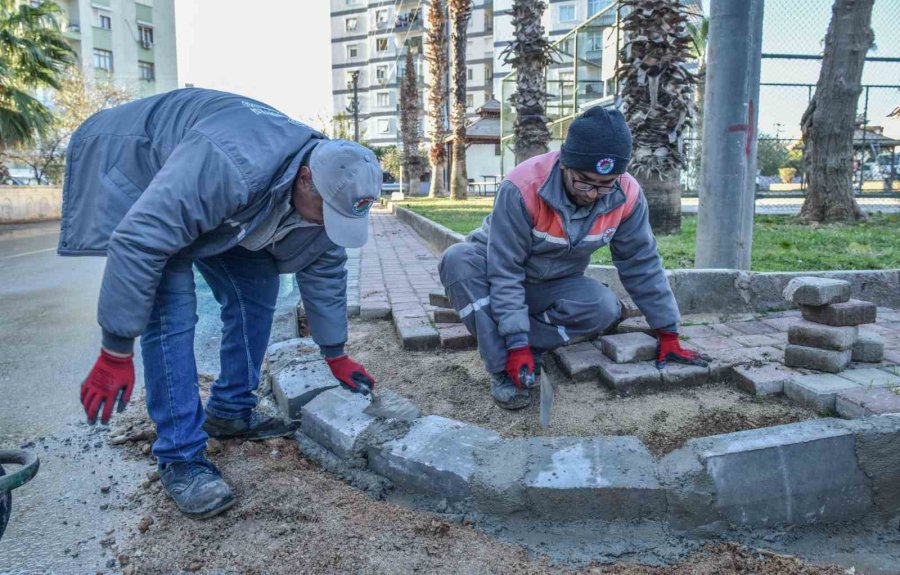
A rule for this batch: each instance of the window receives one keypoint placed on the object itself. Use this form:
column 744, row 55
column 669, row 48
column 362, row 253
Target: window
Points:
column 103, row 60
column 470, row 101
column 146, row 33
column 351, row 2
column 147, row 72
column 488, row 75
column 595, row 6
column 384, row 126
column 566, row 12
column 497, row 149
column 381, row 17
column 381, row 73
column 105, row 22
column 381, row 44
column 470, row 73
column 594, row 41
column 489, row 18
column 352, row 50
column 350, row 24
column 383, row 99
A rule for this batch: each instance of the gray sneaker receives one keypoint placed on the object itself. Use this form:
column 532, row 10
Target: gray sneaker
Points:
column 197, row 488
column 257, row 427
column 507, row 395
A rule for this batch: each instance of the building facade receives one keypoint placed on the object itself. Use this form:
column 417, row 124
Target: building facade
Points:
column 129, row 42
column 367, row 38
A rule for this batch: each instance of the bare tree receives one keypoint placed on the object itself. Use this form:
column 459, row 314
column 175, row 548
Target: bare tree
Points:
column 436, row 54
column 658, row 97
column 529, row 52
column 409, row 125
column 75, row 100
column 460, row 12
column 830, row 119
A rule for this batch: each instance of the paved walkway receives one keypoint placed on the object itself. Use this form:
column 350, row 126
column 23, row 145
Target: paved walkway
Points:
column 793, row 205
column 397, row 272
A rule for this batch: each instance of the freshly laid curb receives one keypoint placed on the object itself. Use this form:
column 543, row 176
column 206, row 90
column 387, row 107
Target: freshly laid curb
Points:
column 437, row 456
column 789, row 474
column 568, row 478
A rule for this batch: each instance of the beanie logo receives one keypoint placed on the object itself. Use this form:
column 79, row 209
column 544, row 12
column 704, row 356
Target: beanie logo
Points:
column 605, row 166
column 362, row 205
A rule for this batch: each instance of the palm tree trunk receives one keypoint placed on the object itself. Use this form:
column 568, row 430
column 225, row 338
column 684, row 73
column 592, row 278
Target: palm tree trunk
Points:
column 830, row 120
column 460, row 10
column 663, row 193
column 436, row 54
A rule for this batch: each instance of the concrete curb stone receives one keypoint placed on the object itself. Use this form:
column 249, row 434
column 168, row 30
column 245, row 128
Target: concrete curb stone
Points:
column 436, row 456
column 566, row 478
column 872, row 377
column 766, row 477
column 300, row 382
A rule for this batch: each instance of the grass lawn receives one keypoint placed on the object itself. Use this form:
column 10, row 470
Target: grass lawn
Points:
column 780, row 243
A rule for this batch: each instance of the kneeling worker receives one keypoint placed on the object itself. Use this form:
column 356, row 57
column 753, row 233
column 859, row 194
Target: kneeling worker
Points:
column 518, row 281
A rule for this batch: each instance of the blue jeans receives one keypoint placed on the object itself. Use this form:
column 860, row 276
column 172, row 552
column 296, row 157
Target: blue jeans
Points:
column 246, row 285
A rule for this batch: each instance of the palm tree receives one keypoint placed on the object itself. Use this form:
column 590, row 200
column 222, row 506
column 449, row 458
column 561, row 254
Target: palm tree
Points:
column 699, row 31
column 409, row 125
column 658, row 99
column 460, row 11
column 33, row 54
column 436, row 54
column 529, row 52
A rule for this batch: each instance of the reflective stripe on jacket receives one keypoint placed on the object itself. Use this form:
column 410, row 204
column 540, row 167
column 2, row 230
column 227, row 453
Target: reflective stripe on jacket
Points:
column 534, row 234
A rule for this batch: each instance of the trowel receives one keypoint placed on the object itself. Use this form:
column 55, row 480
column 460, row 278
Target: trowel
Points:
column 547, row 393
column 388, row 405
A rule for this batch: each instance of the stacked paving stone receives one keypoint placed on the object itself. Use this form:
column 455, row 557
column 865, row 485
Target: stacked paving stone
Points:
column 829, row 332
column 453, row 333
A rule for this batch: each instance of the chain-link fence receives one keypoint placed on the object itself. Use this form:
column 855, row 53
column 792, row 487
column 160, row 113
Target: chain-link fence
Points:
column 793, row 41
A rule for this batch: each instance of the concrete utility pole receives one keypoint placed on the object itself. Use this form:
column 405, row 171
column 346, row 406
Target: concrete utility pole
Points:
column 355, row 75
column 731, row 109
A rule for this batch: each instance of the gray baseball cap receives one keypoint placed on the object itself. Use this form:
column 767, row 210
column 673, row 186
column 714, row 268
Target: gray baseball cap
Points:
column 349, row 179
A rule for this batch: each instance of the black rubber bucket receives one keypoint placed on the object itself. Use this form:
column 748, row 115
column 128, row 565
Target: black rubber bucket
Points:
column 10, row 481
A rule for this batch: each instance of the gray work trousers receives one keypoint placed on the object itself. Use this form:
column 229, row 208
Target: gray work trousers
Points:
column 559, row 310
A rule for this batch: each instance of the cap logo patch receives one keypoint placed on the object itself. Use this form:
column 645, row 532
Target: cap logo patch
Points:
column 607, row 235
column 362, row 205
column 605, row 166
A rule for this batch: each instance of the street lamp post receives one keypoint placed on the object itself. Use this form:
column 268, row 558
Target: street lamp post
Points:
column 355, row 77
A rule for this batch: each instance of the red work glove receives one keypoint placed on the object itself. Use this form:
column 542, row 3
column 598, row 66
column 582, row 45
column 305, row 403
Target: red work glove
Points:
column 669, row 349
column 110, row 380
column 520, row 366
column 351, row 374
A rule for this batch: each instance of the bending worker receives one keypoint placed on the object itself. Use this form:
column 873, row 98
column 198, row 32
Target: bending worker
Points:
column 198, row 179
column 518, row 281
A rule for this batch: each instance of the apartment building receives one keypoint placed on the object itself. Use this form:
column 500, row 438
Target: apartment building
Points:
column 367, row 38
column 131, row 42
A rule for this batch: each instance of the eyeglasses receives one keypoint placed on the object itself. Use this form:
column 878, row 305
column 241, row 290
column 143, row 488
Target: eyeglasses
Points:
column 583, row 186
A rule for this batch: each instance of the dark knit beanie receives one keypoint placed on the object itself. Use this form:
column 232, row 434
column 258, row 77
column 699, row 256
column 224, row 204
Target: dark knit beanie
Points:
column 598, row 141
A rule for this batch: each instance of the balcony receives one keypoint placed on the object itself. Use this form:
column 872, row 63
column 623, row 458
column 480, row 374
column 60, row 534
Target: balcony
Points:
column 73, row 31
column 408, row 23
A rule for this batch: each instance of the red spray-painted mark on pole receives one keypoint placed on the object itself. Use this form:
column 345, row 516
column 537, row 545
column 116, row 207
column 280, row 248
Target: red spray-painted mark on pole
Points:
column 746, row 128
